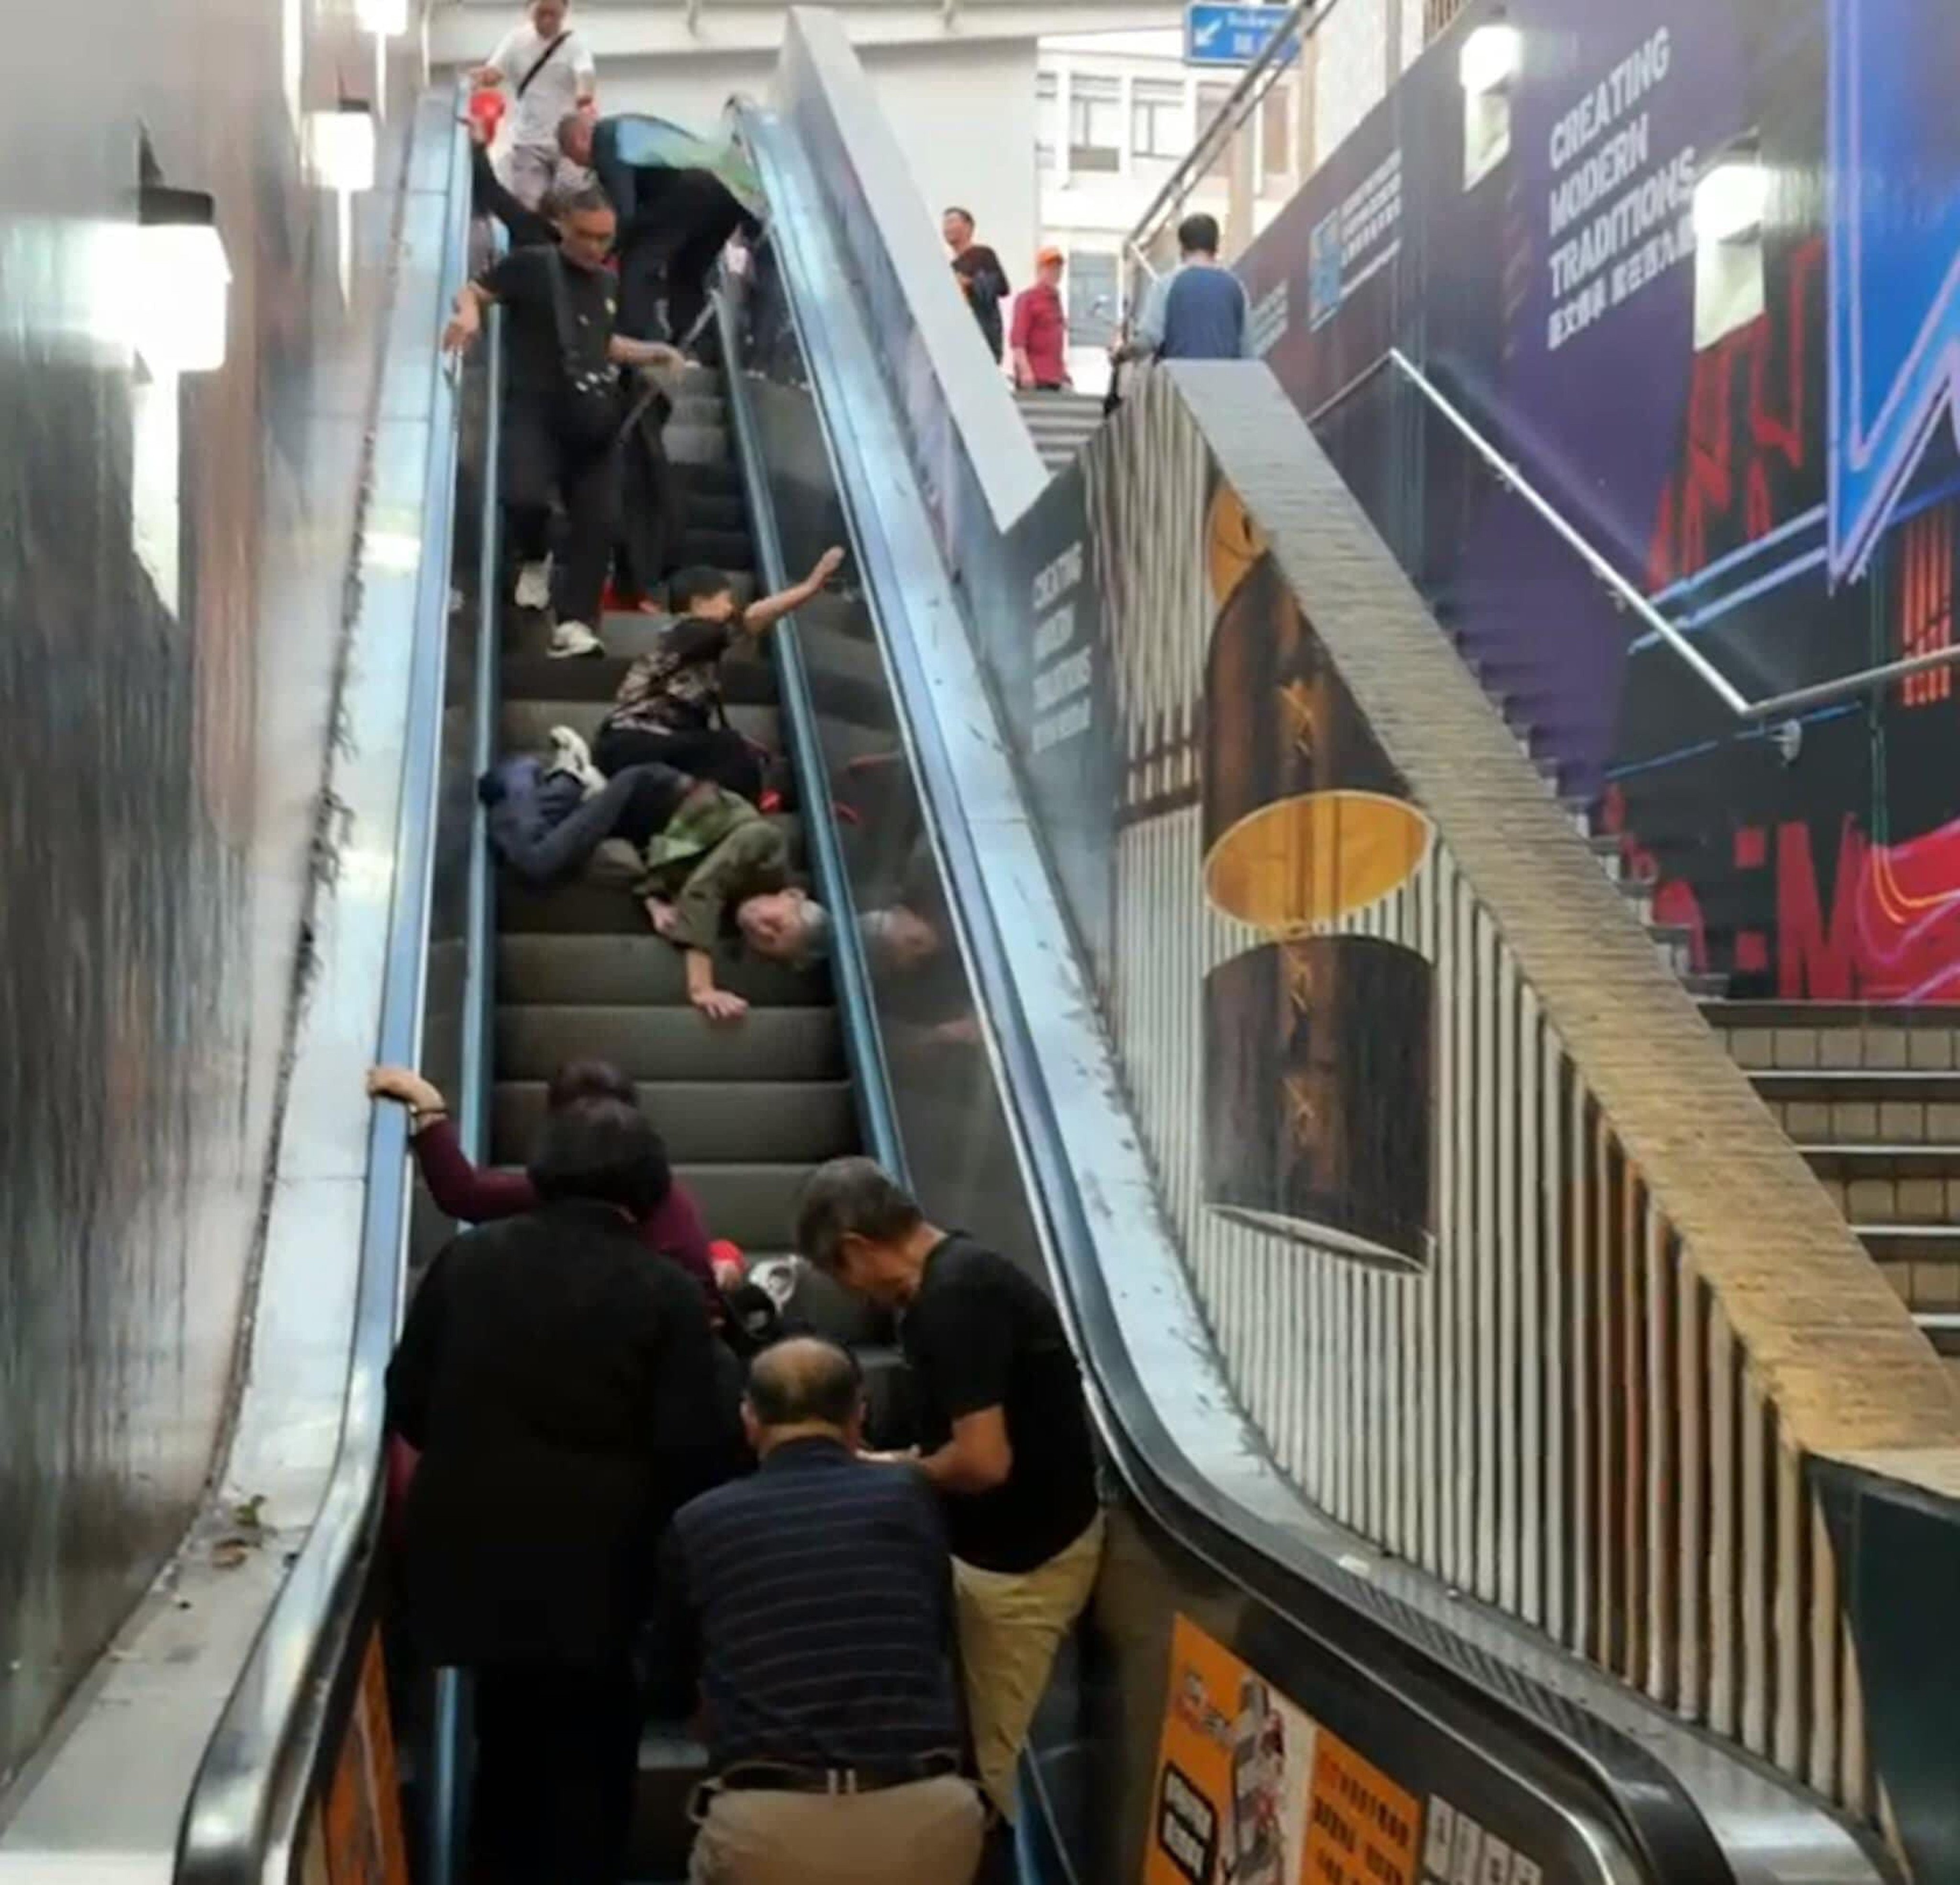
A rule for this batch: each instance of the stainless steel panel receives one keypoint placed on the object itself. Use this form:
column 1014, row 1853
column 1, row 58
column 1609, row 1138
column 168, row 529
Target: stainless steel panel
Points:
column 174, row 556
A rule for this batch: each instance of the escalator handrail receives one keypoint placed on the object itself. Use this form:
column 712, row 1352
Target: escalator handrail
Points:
column 243, row 1807
column 857, row 1015
column 1628, row 1786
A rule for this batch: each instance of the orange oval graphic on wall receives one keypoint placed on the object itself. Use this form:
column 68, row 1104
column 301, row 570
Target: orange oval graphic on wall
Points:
column 1314, row 859
column 1233, row 543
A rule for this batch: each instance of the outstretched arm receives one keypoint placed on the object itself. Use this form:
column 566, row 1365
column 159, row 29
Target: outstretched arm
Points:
column 763, row 614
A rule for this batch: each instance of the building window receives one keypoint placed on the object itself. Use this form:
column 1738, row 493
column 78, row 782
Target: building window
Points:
column 1092, row 298
column 1048, row 111
column 1926, row 603
column 1211, row 99
column 1156, row 118
column 1095, row 124
column 1436, row 14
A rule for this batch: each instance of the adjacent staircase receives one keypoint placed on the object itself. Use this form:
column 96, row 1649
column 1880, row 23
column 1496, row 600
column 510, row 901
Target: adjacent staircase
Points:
column 1059, row 423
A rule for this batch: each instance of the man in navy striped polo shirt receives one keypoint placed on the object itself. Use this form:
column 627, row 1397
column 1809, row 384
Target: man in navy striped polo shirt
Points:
column 812, row 1607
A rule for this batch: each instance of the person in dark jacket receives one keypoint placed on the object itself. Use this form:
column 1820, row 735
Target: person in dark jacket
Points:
column 562, row 1392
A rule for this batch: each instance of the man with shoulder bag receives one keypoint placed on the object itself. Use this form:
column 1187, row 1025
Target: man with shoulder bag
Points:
column 565, row 412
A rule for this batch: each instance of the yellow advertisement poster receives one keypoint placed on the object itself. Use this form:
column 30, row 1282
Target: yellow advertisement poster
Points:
column 1362, row 1829
column 1233, row 1770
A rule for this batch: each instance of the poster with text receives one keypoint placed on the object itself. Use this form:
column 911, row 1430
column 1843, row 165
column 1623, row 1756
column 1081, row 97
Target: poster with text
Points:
column 1748, row 409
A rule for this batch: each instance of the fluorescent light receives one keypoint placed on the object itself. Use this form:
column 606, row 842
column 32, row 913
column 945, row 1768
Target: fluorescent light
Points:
column 182, row 325
column 1489, row 57
column 383, row 18
column 340, row 148
column 1730, row 199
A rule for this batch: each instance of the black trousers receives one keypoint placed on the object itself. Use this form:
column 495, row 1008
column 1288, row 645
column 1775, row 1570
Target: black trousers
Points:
column 557, row 1756
column 538, row 466
column 718, row 753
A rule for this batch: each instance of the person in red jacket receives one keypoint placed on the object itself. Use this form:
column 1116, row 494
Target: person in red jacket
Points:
column 474, row 1195
column 1039, row 340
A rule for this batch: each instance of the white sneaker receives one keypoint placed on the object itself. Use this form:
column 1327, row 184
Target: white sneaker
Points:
column 534, row 585
column 570, row 638
column 571, row 754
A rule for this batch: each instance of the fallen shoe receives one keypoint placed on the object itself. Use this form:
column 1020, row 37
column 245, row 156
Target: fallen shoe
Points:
column 534, row 585
column 572, row 638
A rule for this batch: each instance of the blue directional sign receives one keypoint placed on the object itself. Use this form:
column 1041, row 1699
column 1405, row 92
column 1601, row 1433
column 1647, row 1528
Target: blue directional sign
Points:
column 1216, row 35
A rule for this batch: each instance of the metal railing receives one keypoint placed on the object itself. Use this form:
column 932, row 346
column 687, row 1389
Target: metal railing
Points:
column 1624, row 594
column 245, row 1816
column 1288, row 42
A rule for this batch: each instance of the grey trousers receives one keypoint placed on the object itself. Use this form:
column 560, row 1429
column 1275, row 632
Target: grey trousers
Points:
column 928, row 1834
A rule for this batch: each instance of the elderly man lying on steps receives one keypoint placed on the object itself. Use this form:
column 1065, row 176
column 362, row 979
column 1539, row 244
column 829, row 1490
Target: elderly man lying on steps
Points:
column 707, row 857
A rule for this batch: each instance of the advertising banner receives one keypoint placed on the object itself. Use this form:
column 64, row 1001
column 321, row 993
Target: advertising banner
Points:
column 1687, row 266
column 1250, row 1789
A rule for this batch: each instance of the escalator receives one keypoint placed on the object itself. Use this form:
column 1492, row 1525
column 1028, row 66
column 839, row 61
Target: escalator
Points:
column 1479, row 1755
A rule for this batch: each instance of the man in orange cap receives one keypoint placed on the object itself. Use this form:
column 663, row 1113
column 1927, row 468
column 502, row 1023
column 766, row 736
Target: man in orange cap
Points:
column 1040, row 335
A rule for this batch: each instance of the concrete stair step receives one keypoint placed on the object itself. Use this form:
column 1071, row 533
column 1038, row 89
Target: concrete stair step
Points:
column 639, row 969
column 803, row 1122
column 1872, row 1086
column 791, row 1044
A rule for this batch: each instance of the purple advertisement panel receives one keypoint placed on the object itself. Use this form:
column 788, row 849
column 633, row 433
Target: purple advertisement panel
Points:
column 1695, row 269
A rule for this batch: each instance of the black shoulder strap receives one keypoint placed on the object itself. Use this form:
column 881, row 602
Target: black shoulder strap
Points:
column 543, row 60
column 560, row 300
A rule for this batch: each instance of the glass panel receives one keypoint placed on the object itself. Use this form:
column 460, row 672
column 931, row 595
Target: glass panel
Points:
column 1048, row 113
column 1092, row 298
column 1095, row 124
column 1275, row 136
column 1157, row 119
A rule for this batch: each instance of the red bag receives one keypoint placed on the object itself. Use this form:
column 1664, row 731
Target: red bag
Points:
column 400, row 1465
column 487, row 108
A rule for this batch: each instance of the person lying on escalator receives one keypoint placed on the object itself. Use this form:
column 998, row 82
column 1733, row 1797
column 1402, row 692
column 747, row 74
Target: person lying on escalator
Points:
column 566, row 1398
column 669, row 707
column 717, row 860
column 473, row 1194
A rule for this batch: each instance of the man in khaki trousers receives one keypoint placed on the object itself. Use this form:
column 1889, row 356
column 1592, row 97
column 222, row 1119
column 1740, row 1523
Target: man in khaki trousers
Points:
column 1004, row 1438
column 809, row 1610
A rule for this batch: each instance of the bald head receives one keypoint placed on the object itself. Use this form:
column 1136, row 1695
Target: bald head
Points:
column 803, row 1386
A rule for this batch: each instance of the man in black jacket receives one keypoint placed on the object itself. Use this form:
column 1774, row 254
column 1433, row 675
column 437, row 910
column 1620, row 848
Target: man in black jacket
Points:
column 564, row 1393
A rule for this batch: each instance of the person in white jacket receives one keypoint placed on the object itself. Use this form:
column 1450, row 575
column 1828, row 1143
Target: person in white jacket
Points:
column 547, row 68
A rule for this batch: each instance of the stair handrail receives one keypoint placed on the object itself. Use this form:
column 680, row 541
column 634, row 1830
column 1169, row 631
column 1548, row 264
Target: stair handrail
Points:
column 1624, row 592
column 1289, row 39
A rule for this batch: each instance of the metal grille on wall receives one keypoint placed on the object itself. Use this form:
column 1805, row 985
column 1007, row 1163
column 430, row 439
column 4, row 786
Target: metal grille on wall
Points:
column 1436, row 15
column 1533, row 1396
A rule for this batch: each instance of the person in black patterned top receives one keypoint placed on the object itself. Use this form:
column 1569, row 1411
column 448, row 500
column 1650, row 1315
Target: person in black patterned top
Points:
column 670, row 710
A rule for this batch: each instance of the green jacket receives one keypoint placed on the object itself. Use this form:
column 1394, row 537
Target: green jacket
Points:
column 715, row 850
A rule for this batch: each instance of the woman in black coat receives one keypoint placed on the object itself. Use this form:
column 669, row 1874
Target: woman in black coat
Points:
column 564, row 1393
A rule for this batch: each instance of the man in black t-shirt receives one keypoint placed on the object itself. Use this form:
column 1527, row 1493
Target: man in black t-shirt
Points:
column 1003, row 1437
column 564, row 410
column 978, row 269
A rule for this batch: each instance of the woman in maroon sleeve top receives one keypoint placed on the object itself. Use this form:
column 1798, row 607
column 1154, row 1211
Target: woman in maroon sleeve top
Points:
column 477, row 1195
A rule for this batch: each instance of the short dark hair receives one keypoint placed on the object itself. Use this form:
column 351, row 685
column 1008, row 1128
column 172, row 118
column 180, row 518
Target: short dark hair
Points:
column 586, row 200
column 602, row 1150
column 1198, row 235
column 696, row 584
column 954, row 209
column 805, row 1378
column 849, row 1195
column 589, row 1079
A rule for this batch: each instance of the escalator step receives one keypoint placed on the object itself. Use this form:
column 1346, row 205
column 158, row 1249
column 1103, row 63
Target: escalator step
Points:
column 639, row 968
column 754, row 1204
column 525, row 726
column 720, row 549
column 713, row 510
column 694, row 445
column 797, row 1121
column 747, row 678
column 766, row 1045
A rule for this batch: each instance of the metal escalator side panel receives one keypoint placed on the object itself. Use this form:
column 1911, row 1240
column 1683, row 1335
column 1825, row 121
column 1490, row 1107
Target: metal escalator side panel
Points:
column 1138, row 1328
